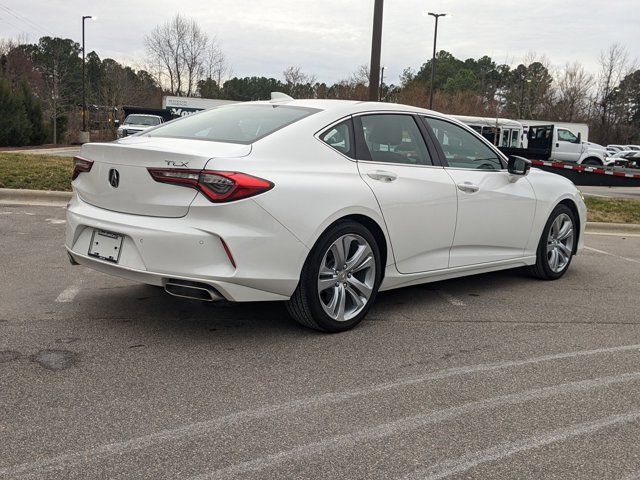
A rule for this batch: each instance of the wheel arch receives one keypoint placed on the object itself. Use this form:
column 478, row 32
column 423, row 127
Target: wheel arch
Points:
column 598, row 160
column 370, row 224
column 574, row 209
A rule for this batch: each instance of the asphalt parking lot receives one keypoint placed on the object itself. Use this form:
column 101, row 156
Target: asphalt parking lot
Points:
column 494, row 376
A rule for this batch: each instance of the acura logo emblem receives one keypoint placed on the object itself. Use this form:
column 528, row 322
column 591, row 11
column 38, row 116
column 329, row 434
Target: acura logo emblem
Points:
column 114, row 178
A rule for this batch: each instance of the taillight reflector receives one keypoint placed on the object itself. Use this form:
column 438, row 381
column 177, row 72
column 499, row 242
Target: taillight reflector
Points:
column 228, row 252
column 217, row 186
column 80, row 165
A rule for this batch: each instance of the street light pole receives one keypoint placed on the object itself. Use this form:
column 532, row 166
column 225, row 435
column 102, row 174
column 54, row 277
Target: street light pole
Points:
column 433, row 58
column 84, row 90
column 376, row 44
column 381, row 82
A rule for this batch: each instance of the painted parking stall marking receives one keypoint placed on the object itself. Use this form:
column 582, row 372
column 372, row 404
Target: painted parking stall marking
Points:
column 69, row 459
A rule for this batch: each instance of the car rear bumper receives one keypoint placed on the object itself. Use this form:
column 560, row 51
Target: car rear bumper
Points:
column 268, row 258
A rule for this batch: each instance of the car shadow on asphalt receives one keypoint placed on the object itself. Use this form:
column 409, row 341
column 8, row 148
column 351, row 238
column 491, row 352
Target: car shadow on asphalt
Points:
column 151, row 308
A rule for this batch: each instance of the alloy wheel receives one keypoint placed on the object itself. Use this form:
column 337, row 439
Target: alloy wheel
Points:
column 560, row 243
column 346, row 277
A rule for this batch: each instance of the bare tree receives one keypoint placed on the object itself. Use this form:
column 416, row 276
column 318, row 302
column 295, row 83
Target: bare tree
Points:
column 361, row 75
column 572, row 93
column 614, row 65
column 299, row 84
column 183, row 54
column 215, row 63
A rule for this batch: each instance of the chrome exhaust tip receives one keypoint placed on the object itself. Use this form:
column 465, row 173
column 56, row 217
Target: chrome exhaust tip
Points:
column 192, row 290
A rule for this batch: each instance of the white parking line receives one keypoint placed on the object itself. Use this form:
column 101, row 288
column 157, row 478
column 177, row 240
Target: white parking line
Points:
column 68, row 294
column 292, row 406
column 633, row 260
column 55, row 221
column 451, row 299
column 472, row 460
column 403, row 425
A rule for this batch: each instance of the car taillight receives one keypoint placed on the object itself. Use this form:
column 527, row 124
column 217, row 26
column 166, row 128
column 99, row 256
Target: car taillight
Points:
column 80, row 165
column 217, row 186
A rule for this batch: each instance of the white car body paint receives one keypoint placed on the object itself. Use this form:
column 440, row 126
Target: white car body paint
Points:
column 432, row 229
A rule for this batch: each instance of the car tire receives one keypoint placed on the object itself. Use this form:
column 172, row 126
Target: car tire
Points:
column 326, row 289
column 592, row 162
column 554, row 253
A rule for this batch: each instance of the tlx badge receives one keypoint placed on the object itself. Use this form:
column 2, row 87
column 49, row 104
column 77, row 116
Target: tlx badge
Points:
column 171, row 163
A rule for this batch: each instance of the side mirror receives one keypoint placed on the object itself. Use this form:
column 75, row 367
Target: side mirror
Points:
column 518, row 165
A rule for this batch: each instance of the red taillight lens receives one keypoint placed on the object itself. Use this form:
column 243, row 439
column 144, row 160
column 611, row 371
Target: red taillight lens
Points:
column 80, row 165
column 218, row 187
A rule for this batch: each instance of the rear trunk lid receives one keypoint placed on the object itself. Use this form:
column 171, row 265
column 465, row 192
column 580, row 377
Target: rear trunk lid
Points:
column 135, row 191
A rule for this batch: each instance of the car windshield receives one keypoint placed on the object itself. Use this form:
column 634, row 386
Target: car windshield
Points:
column 234, row 123
column 142, row 120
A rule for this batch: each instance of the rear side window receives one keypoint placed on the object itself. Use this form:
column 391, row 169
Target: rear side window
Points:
column 234, row 123
column 340, row 137
column 392, row 138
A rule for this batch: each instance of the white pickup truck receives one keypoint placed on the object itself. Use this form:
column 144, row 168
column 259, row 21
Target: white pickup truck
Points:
column 553, row 142
column 137, row 122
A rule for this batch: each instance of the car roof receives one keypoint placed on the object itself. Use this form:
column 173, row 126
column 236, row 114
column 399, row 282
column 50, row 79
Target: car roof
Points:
column 339, row 106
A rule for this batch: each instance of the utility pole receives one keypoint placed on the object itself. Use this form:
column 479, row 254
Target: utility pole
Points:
column 376, row 45
column 55, row 107
column 433, row 58
column 84, row 89
column 381, row 82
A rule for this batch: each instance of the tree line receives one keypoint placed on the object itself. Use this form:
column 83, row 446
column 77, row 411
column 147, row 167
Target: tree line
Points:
column 41, row 86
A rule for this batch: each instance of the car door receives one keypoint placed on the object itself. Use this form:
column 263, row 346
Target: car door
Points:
column 495, row 209
column 416, row 196
column 568, row 147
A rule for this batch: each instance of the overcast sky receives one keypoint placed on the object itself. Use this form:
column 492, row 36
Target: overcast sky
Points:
column 330, row 38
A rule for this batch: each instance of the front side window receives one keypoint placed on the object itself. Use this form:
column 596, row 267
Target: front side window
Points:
column 392, row 138
column 461, row 148
column 340, row 137
column 566, row 136
column 233, row 123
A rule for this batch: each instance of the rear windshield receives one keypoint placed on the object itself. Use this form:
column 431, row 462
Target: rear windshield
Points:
column 142, row 120
column 234, row 123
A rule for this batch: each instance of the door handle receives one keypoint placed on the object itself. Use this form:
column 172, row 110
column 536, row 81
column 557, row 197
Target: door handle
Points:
column 468, row 187
column 382, row 175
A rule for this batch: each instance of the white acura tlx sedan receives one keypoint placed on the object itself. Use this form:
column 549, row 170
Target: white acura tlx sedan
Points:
column 319, row 203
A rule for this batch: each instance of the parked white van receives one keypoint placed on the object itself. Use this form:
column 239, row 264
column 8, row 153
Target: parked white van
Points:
column 510, row 132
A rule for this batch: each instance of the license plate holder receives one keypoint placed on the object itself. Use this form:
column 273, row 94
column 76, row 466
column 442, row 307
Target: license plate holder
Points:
column 106, row 245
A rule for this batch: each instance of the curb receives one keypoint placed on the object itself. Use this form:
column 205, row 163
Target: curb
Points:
column 613, row 228
column 11, row 196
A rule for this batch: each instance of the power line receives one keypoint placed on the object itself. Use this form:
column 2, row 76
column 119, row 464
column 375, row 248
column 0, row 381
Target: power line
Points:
column 30, row 23
column 24, row 19
column 11, row 24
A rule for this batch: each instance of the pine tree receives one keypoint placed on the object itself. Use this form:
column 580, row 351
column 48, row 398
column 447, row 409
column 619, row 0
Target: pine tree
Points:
column 15, row 128
column 33, row 110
